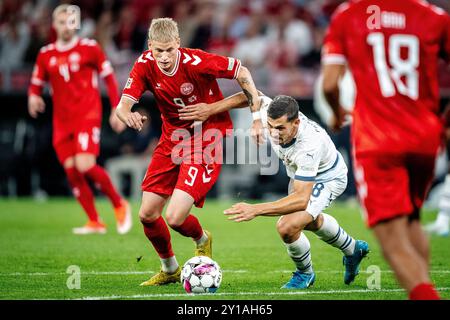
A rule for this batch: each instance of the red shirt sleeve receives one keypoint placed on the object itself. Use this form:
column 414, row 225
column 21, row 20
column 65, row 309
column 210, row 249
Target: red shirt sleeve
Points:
column 214, row 65
column 103, row 65
column 333, row 49
column 105, row 70
column 136, row 83
column 38, row 77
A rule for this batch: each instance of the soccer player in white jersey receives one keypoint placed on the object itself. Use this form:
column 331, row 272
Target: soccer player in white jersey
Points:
column 318, row 176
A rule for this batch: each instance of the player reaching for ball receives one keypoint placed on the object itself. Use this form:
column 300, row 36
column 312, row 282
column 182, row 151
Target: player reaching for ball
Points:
column 318, row 176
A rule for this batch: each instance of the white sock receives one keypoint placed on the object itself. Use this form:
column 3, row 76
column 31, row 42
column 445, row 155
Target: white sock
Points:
column 333, row 234
column 299, row 251
column 443, row 217
column 202, row 240
column 169, row 265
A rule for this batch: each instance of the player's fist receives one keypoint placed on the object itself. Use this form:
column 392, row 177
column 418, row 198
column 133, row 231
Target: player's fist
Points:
column 115, row 123
column 35, row 105
column 257, row 131
column 341, row 119
column 135, row 120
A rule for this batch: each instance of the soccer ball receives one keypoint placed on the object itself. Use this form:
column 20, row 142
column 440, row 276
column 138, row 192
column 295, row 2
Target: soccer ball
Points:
column 201, row 275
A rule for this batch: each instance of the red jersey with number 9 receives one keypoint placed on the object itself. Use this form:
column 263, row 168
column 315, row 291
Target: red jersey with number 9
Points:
column 192, row 81
column 393, row 49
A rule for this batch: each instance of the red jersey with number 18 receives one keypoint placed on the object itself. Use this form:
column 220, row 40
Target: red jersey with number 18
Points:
column 392, row 49
column 193, row 80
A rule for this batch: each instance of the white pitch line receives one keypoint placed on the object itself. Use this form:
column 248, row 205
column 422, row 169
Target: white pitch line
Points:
column 124, row 273
column 101, row 273
column 288, row 293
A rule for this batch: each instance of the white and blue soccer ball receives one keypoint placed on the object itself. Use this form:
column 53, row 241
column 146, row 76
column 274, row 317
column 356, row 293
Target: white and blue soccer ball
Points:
column 201, row 274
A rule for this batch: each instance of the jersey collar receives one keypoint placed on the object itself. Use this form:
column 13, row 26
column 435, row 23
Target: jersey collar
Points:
column 66, row 46
column 177, row 63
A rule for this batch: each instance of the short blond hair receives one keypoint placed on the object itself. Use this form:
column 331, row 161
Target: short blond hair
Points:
column 64, row 8
column 163, row 30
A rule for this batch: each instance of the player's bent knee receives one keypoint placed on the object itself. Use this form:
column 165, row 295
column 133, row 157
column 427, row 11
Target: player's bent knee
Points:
column 83, row 167
column 174, row 220
column 148, row 215
column 287, row 230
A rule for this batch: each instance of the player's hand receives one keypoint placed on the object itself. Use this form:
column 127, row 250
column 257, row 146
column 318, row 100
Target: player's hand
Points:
column 342, row 119
column 115, row 123
column 242, row 212
column 135, row 120
column 35, row 105
column 197, row 112
column 257, row 131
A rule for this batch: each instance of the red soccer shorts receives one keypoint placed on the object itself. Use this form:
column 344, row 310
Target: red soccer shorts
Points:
column 392, row 185
column 83, row 138
column 196, row 179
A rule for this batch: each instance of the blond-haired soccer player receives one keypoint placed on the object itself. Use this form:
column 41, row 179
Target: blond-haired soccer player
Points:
column 178, row 77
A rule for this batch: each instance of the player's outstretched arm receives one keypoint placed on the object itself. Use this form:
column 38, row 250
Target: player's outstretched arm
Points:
column 132, row 119
column 202, row 111
column 296, row 201
column 245, row 80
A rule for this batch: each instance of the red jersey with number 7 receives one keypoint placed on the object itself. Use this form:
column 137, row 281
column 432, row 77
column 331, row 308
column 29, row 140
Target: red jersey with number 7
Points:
column 393, row 50
column 192, row 81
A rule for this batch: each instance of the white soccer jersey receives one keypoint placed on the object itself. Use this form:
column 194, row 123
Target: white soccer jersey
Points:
column 311, row 155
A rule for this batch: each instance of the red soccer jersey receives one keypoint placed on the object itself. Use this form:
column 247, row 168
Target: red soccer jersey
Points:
column 392, row 49
column 72, row 72
column 193, row 80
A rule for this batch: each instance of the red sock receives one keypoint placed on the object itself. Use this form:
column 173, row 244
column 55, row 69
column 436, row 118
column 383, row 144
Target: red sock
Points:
column 424, row 291
column 159, row 235
column 82, row 192
column 190, row 228
column 98, row 175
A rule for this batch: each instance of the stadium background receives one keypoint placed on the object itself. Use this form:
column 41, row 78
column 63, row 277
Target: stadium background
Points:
column 279, row 41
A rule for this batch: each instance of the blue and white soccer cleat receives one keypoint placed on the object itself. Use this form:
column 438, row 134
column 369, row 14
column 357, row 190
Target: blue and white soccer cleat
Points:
column 352, row 262
column 300, row 280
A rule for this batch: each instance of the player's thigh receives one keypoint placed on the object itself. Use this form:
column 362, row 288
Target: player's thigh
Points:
column 152, row 206
column 179, row 207
column 87, row 139
column 63, row 143
column 290, row 225
column 324, row 193
column 85, row 161
column 383, row 187
column 161, row 175
column 421, row 175
column 197, row 180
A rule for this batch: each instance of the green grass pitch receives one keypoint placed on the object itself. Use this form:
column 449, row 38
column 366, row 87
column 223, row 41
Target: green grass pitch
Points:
column 37, row 247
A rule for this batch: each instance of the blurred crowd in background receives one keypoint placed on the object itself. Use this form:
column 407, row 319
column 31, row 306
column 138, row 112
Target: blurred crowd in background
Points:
column 278, row 40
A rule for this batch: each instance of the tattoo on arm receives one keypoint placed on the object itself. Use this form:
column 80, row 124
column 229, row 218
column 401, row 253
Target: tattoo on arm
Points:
column 244, row 81
column 249, row 97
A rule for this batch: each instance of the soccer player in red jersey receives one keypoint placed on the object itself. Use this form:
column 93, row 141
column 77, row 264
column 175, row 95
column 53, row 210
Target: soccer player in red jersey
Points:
column 392, row 49
column 71, row 66
column 178, row 77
